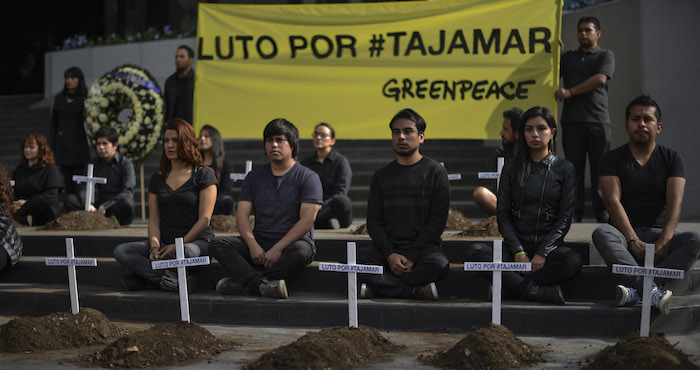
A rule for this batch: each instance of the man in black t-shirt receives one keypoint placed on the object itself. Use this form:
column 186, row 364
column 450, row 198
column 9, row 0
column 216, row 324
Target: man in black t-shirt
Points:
column 643, row 186
column 406, row 215
column 486, row 198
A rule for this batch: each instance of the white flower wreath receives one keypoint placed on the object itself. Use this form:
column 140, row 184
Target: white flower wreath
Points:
column 133, row 88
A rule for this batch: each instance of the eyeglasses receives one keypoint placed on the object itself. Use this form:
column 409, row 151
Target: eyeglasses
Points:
column 321, row 135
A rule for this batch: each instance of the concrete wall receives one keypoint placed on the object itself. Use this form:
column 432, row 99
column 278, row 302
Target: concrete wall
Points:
column 655, row 49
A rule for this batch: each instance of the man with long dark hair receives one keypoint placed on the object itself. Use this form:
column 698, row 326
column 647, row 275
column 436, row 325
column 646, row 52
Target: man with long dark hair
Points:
column 286, row 197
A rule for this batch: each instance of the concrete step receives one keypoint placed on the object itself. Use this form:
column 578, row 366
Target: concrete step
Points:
column 586, row 319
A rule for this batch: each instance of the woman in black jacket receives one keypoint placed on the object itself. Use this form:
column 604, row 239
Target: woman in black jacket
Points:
column 535, row 206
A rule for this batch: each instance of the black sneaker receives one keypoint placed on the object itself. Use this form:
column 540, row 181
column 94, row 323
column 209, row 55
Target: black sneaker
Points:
column 273, row 289
column 229, row 286
column 544, row 293
column 428, row 291
column 133, row 282
column 366, row 292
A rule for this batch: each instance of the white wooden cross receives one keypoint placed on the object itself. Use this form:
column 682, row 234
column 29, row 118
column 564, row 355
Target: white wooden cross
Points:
column 497, row 267
column 352, row 269
column 90, row 188
column 180, row 262
column 71, row 262
column 649, row 272
column 241, row 176
column 494, row 175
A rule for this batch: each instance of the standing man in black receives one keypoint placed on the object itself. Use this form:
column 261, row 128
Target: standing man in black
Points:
column 406, row 215
column 585, row 120
column 179, row 87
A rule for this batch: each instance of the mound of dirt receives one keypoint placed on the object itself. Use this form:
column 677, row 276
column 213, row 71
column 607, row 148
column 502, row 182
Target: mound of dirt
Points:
column 456, row 220
column 331, row 348
column 360, row 230
column 490, row 347
column 163, row 344
column 223, row 224
column 484, row 228
column 81, row 220
column 57, row 331
column 635, row 352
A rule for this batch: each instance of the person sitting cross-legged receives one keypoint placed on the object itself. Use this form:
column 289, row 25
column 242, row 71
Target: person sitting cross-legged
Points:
column 406, row 215
column 286, row 197
column 643, row 185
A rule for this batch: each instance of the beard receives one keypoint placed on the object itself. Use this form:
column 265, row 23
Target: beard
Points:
column 508, row 144
column 406, row 153
column 180, row 70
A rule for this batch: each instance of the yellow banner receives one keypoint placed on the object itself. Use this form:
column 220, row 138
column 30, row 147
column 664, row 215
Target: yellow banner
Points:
column 458, row 63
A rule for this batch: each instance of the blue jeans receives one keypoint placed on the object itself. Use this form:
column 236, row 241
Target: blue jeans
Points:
column 134, row 256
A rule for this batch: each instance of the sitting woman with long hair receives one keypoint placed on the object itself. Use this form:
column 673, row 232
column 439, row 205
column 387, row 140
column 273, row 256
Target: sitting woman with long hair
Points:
column 535, row 205
column 38, row 183
column 180, row 204
column 11, row 250
column 211, row 146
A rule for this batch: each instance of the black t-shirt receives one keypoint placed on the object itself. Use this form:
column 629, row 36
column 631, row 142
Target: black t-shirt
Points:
column 179, row 209
column 643, row 187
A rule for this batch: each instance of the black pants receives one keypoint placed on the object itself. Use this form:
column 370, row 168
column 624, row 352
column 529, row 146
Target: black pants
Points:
column 4, row 259
column 224, row 205
column 122, row 209
column 581, row 139
column 232, row 252
column 561, row 264
column 339, row 207
column 68, row 171
column 40, row 210
column 429, row 266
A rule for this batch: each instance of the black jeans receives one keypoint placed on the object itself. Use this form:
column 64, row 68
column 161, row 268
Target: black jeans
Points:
column 40, row 210
column 339, row 207
column 233, row 253
column 122, row 209
column 580, row 139
column 430, row 265
column 561, row 264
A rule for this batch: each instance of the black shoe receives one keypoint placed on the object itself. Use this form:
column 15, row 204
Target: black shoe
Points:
column 366, row 292
column 273, row 289
column 602, row 218
column 544, row 293
column 230, row 287
column 577, row 219
column 133, row 282
column 428, row 292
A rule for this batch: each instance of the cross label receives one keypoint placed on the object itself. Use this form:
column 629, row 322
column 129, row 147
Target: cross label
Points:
column 180, row 262
column 494, row 175
column 352, row 270
column 497, row 267
column 70, row 261
column 241, row 176
column 90, row 188
column 649, row 272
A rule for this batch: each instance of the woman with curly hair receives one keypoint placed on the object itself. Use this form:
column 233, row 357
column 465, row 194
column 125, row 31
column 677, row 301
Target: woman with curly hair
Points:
column 212, row 149
column 38, row 183
column 181, row 200
column 67, row 131
column 11, row 249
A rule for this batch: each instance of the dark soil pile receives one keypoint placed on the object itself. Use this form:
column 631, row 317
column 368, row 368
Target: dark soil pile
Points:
column 491, row 347
column 223, row 224
column 331, row 348
column 361, row 230
column 163, row 344
column 57, row 331
column 635, row 352
column 456, row 220
column 484, row 228
column 82, row 220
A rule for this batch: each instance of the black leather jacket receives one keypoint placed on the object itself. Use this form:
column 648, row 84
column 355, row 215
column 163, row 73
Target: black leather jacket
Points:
column 536, row 218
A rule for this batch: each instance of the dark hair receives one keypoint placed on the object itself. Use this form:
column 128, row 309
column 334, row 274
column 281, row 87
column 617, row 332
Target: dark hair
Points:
column 329, row 127
column 7, row 193
column 514, row 115
column 217, row 149
column 108, row 133
column 643, row 100
column 190, row 52
column 81, row 91
column 281, row 126
column 522, row 158
column 412, row 116
column 187, row 146
column 45, row 153
column 594, row 20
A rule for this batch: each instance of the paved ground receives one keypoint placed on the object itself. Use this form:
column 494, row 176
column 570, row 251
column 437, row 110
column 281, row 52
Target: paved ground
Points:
column 564, row 353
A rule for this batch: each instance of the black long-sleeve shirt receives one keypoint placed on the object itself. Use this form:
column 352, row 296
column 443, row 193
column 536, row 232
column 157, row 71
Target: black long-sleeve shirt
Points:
column 121, row 180
column 407, row 207
column 335, row 174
